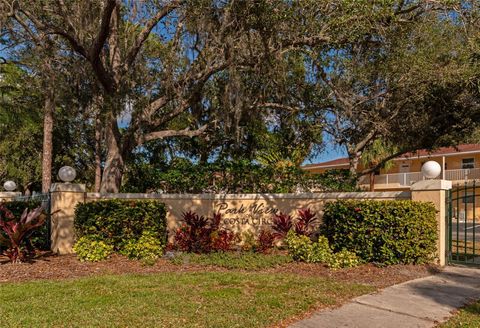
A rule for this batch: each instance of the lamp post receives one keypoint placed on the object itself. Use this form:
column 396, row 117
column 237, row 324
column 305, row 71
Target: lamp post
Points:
column 431, row 170
column 9, row 185
column 67, row 174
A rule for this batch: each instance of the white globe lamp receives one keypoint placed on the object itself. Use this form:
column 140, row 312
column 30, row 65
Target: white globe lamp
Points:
column 9, row 186
column 67, row 174
column 431, row 170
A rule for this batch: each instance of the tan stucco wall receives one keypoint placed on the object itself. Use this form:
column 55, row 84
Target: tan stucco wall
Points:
column 245, row 212
column 8, row 196
column 453, row 162
column 64, row 198
column 434, row 191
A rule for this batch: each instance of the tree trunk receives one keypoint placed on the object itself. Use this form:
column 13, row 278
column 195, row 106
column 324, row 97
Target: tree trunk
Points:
column 47, row 154
column 354, row 159
column 372, row 181
column 98, row 153
column 114, row 165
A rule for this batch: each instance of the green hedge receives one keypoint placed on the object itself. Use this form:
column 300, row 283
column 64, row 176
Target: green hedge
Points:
column 385, row 232
column 118, row 222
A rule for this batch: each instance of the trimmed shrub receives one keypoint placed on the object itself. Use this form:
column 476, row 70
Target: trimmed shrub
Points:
column 302, row 248
column 147, row 248
column 118, row 221
column 343, row 259
column 385, row 232
column 90, row 248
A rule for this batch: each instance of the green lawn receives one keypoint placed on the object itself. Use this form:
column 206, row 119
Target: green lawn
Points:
column 205, row 299
column 466, row 317
column 232, row 260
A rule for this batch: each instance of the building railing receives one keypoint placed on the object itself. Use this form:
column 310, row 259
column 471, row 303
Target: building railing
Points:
column 407, row 179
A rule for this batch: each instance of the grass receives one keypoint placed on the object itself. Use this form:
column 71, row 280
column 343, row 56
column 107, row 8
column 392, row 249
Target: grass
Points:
column 468, row 317
column 232, row 260
column 204, row 299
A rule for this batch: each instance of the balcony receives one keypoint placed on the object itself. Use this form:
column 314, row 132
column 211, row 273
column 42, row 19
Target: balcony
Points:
column 400, row 180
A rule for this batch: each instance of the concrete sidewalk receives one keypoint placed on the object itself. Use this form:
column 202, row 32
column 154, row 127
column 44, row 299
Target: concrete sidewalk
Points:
column 422, row 302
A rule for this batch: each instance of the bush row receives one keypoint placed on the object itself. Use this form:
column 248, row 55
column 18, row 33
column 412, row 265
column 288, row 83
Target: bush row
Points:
column 386, row 232
column 135, row 228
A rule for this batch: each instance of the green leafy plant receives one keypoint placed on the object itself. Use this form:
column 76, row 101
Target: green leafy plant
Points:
column 302, row 248
column 92, row 249
column 232, row 176
column 248, row 241
column 386, row 232
column 343, row 259
column 115, row 221
column 147, row 248
column 14, row 231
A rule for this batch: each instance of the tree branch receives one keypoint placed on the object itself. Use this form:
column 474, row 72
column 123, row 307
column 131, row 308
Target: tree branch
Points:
column 278, row 106
column 149, row 26
column 171, row 133
column 383, row 161
column 104, row 30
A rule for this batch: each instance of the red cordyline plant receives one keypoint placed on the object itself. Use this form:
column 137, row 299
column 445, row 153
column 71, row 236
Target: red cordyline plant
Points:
column 15, row 231
column 202, row 235
column 282, row 224
column 265, row 241
column 305, row 222
column 304, row 225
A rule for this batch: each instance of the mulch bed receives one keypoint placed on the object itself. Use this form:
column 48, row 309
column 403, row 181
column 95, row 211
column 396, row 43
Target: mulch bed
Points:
column 368, row 274
column 47, row 266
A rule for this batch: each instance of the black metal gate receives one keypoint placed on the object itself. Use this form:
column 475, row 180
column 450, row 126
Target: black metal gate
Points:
column 463, row 224
column 41, row 237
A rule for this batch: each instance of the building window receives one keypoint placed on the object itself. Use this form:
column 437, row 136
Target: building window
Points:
column 468, row 163
column 468, row 198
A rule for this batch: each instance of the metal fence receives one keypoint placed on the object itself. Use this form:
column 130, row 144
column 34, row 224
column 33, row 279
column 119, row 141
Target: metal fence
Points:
column 463, row 223
column 45, row 200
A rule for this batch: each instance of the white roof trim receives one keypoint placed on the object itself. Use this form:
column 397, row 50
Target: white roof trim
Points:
column 438, row 155
column 320, row 166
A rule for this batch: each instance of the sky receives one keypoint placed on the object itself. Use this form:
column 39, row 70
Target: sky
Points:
column 330, row 152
